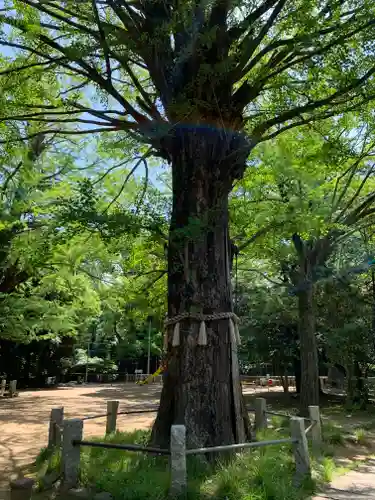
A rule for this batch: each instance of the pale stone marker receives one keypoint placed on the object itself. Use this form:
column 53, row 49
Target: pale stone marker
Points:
column 178, row 460
column 72, row 430
column 112, row 409
column 12, row 388
column 260, row 414
column 316, row 431
column 55, row 427
column 300, row 450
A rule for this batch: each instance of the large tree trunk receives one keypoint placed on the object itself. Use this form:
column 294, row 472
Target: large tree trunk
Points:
column 201, row 387
column 308, row 347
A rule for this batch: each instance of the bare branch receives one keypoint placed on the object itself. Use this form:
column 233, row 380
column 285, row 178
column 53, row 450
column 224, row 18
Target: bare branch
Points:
column 59, row 132
column 31, row 65
column 254, row 237
column 244, row 25
column 140, row 160
column 103, row 41
column 251, row 44
column 276, row 283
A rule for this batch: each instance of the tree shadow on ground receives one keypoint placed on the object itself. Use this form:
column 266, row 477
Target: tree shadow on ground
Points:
column 134, row 393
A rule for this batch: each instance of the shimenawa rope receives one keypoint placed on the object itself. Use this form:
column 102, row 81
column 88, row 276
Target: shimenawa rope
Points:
column 202, row 318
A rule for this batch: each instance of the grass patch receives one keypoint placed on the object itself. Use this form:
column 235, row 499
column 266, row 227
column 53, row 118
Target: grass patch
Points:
column 258, row 474
column 333, row 434
column 360, row 436
column 328, row 467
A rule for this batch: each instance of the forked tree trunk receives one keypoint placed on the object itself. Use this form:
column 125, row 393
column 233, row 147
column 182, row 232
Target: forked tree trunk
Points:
column 308, row 346
column 201, row 390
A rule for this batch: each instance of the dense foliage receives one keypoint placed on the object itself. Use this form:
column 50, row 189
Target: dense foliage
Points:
column 268, row 104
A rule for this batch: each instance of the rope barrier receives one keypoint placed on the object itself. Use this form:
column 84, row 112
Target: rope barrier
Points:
column 278, row 414
column 126, row 412
column 126, row 447
column 92, row 417
column 308, row 429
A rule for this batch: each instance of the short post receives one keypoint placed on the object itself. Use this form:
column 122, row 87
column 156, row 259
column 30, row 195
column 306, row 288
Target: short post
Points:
column 55, row 427
column 316, row 431
column 127, row 378
column 21, row 489
column 72, row 431
column 112, row 409
column 178, row 461
column 2, row 387
column 300, row 450
column 12, row 388
column 260, row 414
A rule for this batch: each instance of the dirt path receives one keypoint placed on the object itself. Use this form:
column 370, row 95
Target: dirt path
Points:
column 356, row 485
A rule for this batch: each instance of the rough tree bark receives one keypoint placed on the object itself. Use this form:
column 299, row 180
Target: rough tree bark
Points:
column 303, row 278
column 308, row 348
column 200, row 389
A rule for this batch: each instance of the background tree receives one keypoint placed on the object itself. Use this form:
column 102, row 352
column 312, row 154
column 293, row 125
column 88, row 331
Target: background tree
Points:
column 310, row 198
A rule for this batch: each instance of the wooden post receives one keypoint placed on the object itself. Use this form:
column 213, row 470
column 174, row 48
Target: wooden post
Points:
column 21, row 489
column 300, row 450
column 2, row 387
column 112, row 409
column 55, row 427
column 12, row 388
column 178, row 461
column 70, row 456
column 260, row 414
column 316, row 431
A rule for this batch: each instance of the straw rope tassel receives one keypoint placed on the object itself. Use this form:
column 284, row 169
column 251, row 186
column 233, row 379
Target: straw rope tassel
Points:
column 232, row 331
column 202, row 337
column 176, row 335
column 165, row 339
column 237, row 333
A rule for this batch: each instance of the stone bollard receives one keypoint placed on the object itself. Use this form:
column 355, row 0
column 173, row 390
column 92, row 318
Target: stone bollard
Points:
column 21, row 489
column 12, row 388
column 55, row 427
column 178, row 461
column 70, row 456
column 260, row 414
column 316, row 431
column 2, row 387
column 300, row 450
column 112, row 409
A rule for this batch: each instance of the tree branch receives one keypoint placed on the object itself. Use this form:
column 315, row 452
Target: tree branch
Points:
column 140, row 160
column 103, row 41
column 276, row 283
